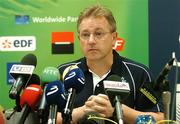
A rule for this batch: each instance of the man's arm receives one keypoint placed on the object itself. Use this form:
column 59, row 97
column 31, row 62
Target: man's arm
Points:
column 130, row 115
column 102, row 106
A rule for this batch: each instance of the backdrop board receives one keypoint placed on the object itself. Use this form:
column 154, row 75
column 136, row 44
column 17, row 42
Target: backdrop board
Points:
column 48, row 30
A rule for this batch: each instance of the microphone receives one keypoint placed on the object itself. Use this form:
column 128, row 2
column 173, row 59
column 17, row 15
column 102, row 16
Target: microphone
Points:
column 74, row 81
column 55, row 99
column 33, row 80
column 29, row 99
column 21, row 73
column 161, row 83
column 49, row 74
column 150, row 93
column 117, row 90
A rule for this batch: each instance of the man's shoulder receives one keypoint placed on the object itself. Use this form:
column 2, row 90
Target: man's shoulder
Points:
column 133, row 63
column 128, row 61
column 61, row 67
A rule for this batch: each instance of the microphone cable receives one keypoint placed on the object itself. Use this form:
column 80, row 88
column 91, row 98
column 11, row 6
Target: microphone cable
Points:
column 92, row 117
column 167, row 121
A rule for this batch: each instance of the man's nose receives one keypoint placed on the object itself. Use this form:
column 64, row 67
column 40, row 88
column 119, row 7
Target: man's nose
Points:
column 91, row 38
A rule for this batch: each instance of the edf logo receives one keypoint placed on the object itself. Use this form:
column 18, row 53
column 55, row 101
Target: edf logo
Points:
column 23, row 43
column 17, row 43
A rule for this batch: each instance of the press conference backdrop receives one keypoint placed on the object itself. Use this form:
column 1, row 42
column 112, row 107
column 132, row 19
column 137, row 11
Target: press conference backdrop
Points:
column 48, row 30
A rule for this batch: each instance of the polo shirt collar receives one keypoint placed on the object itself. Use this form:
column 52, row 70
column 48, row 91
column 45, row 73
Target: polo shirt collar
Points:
column 117, row 62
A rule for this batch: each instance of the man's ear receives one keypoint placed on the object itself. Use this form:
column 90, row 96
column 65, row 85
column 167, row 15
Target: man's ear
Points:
column 114, row 37
column 78, row 37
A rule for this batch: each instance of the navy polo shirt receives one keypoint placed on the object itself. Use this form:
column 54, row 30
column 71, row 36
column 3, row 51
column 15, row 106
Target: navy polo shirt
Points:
column 132, row 72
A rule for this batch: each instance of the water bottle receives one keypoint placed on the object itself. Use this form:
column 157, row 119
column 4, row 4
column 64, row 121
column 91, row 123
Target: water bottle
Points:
column 145, row 119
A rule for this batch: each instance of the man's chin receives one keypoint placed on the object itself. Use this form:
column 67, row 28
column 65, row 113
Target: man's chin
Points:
column 92, row 57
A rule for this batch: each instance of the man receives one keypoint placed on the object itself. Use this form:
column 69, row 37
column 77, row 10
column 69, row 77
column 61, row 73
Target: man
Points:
column 97, row 34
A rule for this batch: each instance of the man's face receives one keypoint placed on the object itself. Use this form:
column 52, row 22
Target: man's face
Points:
column 96, row 38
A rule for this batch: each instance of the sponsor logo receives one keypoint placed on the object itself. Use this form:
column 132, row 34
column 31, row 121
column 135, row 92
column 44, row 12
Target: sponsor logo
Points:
column 62, row 42
column 17, row 43
column 22, row 69
column 22, row 19
column 116, row 85
column 119, row 44
column 10, row 79
column 56, row 19
column 33, row 88
column 50, row 71
column 53, row 89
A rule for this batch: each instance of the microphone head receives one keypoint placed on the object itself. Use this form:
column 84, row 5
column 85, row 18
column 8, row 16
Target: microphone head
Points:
column 161, row 82
column 74, row 78
column 31, row 95
column 67, row 69
column 29, row 59
column 49, row 74
column 55, row 94
column 115, row 86
column 35, row 79
column 114, row 78
column 21, row 73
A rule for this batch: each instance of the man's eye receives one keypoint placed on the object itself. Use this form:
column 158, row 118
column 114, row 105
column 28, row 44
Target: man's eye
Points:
column 85, row 34
column 98, row 33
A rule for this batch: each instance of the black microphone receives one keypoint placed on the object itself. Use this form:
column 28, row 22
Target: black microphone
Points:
column 151, row 92
column 74, row 81
column 21, row 73
column 160, row 82
column 117, row 91
column 35, row 79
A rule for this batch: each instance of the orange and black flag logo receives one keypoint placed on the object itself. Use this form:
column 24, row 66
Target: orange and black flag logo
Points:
column 62, row 42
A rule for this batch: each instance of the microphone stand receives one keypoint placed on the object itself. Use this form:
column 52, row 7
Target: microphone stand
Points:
column 118, row 108
column 66, row 115
column 166, row 98
column 52, row 114
column 24, row 114
column 17, row 108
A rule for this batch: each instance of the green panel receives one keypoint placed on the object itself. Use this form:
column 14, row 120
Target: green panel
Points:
column 132, row 22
